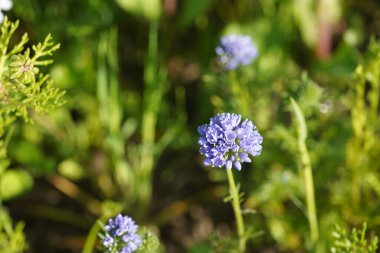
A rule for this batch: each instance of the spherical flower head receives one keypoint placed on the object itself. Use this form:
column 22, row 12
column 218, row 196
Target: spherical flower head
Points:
column 121, row 235
column 5, row 5
column 235, row 50
column 227, row 141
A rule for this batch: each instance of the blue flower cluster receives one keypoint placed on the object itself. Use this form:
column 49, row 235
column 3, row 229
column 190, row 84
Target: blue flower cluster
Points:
column 235, row 50
column 121, row 235
column 227, row 141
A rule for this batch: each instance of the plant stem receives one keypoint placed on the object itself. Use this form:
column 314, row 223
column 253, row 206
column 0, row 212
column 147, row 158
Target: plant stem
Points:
column 91, row 238
column 90, row 242
column 237, row 210
column 153, row 88
column 307, row 170
column 72, row 190
column 309, row 188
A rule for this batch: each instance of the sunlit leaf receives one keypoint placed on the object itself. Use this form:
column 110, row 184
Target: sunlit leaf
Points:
column 14, row 182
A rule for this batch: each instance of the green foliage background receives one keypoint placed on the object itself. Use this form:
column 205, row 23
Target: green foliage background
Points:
column 140, row 76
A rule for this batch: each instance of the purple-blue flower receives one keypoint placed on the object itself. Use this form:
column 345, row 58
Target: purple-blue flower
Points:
column 226, row 141
column 121, row 235
column 235, row 50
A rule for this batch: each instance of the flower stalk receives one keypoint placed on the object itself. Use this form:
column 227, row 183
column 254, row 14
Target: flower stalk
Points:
column 308, row 174
column 153, row 89
column 310, row 195
column 237, row 210
column 226, row 142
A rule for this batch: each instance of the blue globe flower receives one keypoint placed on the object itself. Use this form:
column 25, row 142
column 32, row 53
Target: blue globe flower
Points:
column 236, row 50
column 121, row 235
column 226, row 141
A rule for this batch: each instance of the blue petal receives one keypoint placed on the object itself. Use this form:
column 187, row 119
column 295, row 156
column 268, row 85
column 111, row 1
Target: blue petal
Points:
column 237, row 165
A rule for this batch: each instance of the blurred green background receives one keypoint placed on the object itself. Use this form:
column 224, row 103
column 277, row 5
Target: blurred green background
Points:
column 141, row 75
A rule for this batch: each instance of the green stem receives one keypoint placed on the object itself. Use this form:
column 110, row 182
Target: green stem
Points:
column 310, row 196
column 91, row 238
column 72, row 190
column 308, row 175
column 237, row 210
column 150, row 104
column 355, row 186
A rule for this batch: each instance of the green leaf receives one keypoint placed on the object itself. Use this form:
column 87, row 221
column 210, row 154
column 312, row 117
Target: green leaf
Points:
column 202, row 247
column 26, row 153
column 13, row 183
column 191, row 9
column 150, row 9
column 12, row 240
column 129, row 127
column 302, row 129
column 150, row 242
column 356, row 241
column 71, row 169
column 306, row 18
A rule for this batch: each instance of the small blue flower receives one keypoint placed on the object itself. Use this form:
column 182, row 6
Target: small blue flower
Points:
column 121, row 235
column 226, row 141
column 235, row 50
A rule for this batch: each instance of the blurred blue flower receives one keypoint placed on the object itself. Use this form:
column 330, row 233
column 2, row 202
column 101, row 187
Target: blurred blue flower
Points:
column 121, row 235
column 227, row 141
column 5, row 5
column 235, row 50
